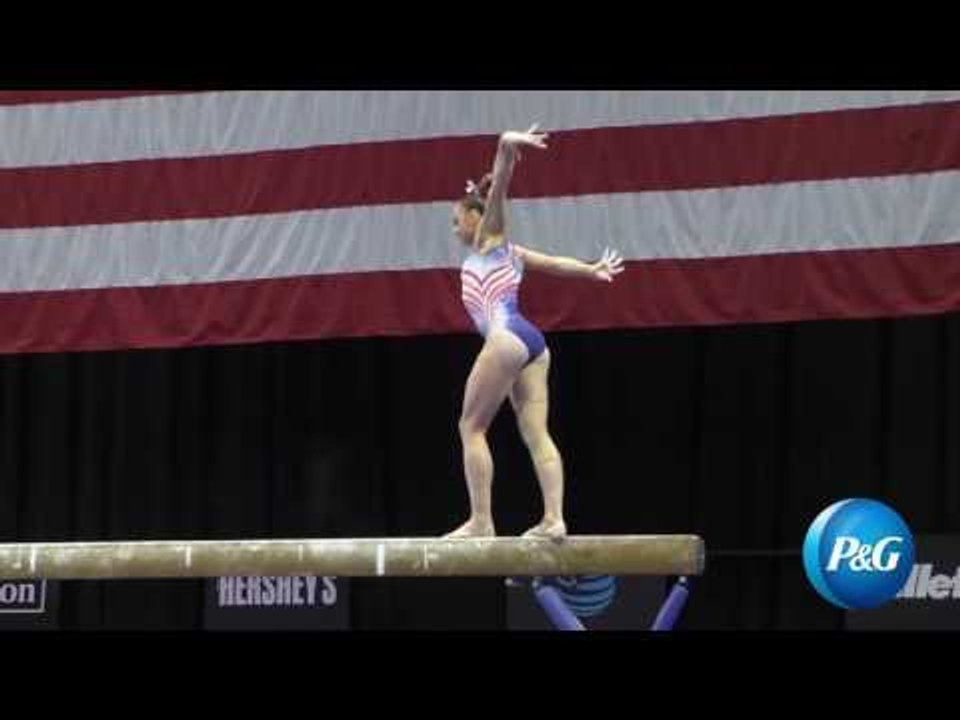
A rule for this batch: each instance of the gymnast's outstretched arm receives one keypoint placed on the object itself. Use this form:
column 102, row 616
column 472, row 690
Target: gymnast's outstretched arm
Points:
column 494, row 219
column 604, row 269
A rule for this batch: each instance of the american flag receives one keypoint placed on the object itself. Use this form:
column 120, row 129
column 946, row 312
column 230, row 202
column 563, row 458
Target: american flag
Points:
column 170, row 219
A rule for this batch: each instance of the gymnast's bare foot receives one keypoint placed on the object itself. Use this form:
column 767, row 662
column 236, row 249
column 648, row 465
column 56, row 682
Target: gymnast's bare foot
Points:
column 473, row 528
column 549, row 529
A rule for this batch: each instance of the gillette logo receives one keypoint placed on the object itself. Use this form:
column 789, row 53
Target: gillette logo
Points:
column 923, row 584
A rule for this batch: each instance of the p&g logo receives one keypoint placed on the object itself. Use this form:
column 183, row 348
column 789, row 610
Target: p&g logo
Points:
column 858, row 553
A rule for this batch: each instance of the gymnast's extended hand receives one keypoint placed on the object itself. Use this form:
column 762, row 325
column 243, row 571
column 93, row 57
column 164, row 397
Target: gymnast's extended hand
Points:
column 607, row 266
column 531, row 138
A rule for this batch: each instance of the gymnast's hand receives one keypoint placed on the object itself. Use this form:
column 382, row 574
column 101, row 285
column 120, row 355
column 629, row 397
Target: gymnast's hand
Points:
column 607, row 266
column 530, row 138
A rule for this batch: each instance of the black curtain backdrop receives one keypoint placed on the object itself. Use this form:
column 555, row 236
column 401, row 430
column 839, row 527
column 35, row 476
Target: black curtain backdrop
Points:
column 741, row 434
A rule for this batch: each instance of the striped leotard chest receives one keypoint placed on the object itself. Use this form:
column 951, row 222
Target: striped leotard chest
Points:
column 489, row 287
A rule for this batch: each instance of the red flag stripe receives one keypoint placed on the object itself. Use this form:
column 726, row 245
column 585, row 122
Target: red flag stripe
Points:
column 45, row 97
column 766, row 288
column 809, row 147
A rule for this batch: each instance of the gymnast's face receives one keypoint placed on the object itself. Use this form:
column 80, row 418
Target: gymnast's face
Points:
column 465, row 222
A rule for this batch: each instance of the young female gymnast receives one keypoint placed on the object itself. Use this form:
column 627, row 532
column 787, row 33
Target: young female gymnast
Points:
column 515, row 360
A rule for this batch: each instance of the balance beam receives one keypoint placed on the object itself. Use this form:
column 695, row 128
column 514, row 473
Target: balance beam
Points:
column 366, row 557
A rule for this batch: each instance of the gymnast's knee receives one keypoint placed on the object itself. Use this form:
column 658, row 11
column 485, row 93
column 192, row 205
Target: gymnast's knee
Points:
column 471, row 428
column 540, row 444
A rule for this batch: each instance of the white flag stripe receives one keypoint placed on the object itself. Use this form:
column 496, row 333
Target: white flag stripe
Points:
column 897, row 211
column 224, row 123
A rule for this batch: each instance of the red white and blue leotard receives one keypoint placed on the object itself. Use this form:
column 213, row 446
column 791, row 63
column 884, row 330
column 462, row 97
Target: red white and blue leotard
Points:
column 489, row 287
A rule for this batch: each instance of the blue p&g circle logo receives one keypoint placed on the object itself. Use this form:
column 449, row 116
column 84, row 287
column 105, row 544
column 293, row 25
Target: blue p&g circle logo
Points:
column 858, row 553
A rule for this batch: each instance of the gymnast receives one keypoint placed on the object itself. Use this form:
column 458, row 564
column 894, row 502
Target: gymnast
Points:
column 515, row 360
